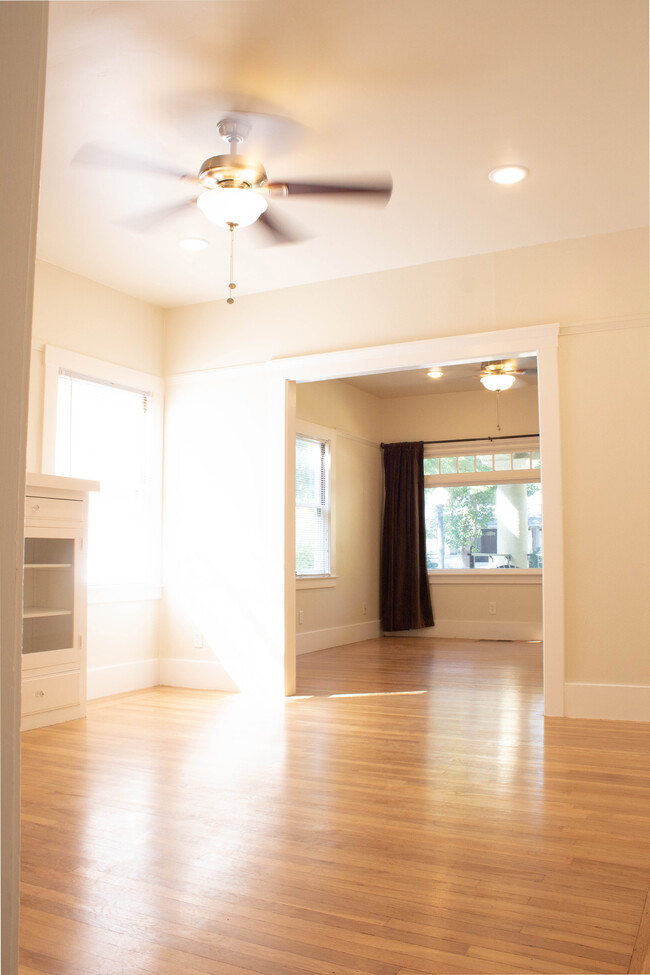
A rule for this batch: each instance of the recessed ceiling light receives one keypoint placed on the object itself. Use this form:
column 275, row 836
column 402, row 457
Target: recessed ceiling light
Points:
column 193, row 244
column 508, row 174
column 435, row 373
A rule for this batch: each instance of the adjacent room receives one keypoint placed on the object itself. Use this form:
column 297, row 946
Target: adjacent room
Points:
column 328, row 649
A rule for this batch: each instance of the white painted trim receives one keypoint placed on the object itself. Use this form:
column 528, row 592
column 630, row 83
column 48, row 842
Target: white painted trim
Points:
column 206, row 675
column 449, row 350
column 613, row 702
column 552, row 520
column 316, row 582
column 478, row 630
column 337, row 636
column 306, row 428
column 485, row 577
column 120, row 678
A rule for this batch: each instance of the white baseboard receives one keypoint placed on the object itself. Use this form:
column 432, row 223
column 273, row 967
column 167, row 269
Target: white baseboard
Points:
column 206, row 675
column 614, row 702
column 120, row 678
column 479, row 630
column 336, row 636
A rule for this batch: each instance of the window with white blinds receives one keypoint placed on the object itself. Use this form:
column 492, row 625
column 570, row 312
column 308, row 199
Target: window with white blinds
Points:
column 313, row 523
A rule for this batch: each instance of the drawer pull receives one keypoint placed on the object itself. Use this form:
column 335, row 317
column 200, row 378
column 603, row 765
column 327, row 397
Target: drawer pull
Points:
column 36, row 507
column 39, row 693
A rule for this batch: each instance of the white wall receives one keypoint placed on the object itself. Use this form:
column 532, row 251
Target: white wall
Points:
column 597, row 288
column 82, row 316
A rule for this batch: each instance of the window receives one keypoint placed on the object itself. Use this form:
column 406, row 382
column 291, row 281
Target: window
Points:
column 314, row 510
column 483, row 507
column 312, row 507
column 111, row 431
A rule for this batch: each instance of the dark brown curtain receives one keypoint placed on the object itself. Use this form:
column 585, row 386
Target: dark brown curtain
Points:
column 405, row 596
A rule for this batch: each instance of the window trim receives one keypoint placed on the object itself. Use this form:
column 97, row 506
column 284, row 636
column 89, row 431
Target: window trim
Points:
column 526, row 476
column 315, row 431
column 99, row 370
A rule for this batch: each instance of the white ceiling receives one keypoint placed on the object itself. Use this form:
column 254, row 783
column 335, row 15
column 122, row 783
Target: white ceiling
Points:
column 437, row 92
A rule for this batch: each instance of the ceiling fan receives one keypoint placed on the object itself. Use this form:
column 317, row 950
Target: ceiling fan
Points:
column 236, row 188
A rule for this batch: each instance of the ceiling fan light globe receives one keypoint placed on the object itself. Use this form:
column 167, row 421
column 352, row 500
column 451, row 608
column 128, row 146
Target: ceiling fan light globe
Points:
column 498, row 381
column 224, row 206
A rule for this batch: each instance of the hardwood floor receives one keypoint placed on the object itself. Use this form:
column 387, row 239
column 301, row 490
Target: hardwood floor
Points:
column 409, row 813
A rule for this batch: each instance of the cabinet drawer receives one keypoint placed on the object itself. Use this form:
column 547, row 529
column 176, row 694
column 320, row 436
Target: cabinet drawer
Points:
column 53, row 510
column 48, row 693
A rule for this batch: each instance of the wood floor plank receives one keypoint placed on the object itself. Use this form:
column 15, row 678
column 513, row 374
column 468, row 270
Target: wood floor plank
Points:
column 410, row 812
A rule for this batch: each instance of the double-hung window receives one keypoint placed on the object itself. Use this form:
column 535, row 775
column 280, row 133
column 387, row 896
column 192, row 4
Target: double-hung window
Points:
column 107, row 426
column 314, row 522
column 483, row 505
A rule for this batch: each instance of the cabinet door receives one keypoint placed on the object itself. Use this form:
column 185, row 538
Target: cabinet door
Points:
column 53, row 602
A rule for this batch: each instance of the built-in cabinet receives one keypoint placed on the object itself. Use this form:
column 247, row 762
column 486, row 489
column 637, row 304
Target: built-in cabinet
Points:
column 54, row 600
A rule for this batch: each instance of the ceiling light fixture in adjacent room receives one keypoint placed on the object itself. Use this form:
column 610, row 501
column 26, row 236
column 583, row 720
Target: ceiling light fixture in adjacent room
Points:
column 435, row 373
column 497, row 382
column 506, row 175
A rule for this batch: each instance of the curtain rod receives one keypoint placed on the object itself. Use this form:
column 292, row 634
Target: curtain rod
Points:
column 515, row 436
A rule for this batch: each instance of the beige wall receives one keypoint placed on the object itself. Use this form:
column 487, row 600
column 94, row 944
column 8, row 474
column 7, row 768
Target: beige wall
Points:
column 588, row 279
column 461, row 607
column 82, row 316
column 455, row 416
column 597, row 289
column 349, row 611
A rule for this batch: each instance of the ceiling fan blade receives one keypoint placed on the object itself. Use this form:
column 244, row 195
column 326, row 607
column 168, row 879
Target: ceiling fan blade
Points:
column 93, row 154
column 378, row 191
column 279, row 230
column 144, row 222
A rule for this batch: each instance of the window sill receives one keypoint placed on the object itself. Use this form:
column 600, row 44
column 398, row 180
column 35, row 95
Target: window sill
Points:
column 315, row 582
column 137, row 592
column 490, row 577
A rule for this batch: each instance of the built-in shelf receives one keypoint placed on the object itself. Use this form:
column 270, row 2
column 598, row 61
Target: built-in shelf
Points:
column 31, row 612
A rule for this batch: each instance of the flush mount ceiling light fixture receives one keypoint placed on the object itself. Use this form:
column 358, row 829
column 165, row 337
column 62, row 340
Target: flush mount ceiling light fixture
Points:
column 435, row 373
column 506, row 175
column 193, row 244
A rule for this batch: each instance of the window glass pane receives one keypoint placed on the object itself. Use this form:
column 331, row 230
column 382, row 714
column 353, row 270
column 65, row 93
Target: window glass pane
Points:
column 312, row 507
column 484, row 462
column 466, row 464
column 104, row 434
column 431, row 465
column 535, row 462
column 502, row 462
column 490, row 526
column 521, row 460
column 447, row 465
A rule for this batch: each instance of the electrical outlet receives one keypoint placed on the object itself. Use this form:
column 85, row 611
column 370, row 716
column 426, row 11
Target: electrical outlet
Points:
column 301, row 616
column 198, row 640
column 492, row 608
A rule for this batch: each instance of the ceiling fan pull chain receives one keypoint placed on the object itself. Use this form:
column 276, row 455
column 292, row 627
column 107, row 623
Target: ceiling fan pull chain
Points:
column 232, row 285
column 498, row 417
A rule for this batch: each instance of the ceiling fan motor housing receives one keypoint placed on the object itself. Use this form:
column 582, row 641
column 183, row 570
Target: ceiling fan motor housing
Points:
column 232, row 172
